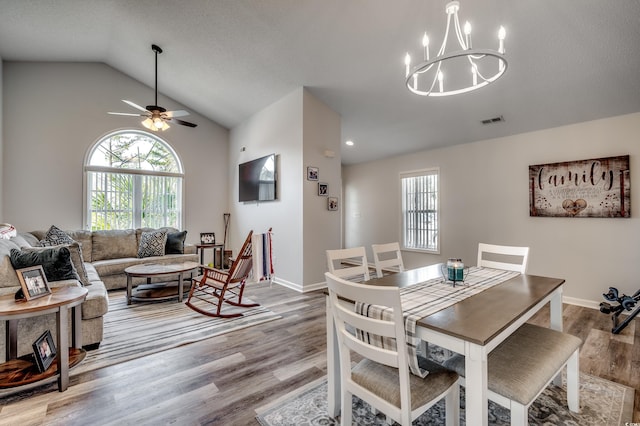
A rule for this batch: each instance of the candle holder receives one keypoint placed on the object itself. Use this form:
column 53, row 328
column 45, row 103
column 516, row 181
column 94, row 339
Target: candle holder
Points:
column 454, row 271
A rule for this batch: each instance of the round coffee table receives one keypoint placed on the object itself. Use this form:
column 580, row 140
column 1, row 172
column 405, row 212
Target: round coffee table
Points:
column 157, row 291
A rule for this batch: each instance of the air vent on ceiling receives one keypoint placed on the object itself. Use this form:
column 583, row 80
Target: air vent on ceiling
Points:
column 498, row 119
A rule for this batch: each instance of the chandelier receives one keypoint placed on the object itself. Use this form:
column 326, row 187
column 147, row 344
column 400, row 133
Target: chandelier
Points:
column 459, row 71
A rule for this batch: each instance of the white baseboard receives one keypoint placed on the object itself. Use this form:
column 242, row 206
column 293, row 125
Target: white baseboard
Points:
column 581, row 302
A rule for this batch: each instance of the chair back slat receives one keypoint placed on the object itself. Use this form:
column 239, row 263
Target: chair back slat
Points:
column 387, row 256
column 350, row 264
column 508, row 258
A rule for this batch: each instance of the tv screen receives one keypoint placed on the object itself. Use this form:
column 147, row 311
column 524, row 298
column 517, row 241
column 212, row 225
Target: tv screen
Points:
column 258, row 179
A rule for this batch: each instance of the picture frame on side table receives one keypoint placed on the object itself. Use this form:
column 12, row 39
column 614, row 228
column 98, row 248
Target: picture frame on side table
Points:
column 332, row 203
column 323, row 189
column 44, row 351
column 33, row 282
column 313, row 173
column 207, row 238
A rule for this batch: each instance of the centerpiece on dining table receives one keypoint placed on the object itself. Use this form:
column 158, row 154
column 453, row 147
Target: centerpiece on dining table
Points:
column 454, row 271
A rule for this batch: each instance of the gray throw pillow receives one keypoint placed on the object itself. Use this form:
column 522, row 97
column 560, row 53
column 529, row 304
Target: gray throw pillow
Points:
column 54, row 237
column 175, row 242
column 56, row 262
column 75, row 250
column 152, row 243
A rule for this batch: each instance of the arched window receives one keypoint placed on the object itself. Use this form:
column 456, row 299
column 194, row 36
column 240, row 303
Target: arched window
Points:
column 133, row 180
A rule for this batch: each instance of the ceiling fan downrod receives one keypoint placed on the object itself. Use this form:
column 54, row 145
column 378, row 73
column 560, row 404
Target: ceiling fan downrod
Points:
column 157, row 50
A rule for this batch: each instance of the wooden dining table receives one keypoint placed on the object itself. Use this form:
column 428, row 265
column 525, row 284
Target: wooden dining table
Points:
column 472, row 327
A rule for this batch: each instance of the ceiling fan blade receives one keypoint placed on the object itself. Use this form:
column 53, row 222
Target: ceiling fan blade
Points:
column 136, row 106
column 178, row 113
column 127, row 114
column 184, row 123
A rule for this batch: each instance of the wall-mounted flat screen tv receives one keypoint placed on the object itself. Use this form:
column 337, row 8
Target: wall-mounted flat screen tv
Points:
column 258, row 179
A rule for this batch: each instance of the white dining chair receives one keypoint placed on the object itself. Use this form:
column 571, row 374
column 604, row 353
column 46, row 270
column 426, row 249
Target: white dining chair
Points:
column 381, row 378
column 509, row 258
column 387, row 256
column 522, row 366
column 350, row 264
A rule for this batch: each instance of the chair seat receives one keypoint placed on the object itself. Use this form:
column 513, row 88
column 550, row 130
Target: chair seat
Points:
column 525, row 362
column 383, row 381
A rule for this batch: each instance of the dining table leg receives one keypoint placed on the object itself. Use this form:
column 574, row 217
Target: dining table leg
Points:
column 476, row 384
column 555, row 322
column 333, row 365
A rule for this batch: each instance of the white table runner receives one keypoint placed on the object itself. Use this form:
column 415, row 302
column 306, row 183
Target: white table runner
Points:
column 421, row 300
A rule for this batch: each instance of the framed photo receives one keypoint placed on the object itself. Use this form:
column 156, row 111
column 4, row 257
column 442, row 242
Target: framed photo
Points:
column 207, row 238
column 44, row 351
column 323, row 189
column 312, row 173
column 33, row 282
column 332, row 203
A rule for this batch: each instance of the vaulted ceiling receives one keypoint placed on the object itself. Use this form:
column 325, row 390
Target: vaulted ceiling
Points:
column 569, row 61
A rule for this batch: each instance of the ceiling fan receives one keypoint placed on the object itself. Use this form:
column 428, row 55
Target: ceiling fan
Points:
column 157, row 118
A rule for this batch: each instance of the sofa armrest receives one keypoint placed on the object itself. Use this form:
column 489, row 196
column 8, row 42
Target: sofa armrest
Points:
column 190, row 249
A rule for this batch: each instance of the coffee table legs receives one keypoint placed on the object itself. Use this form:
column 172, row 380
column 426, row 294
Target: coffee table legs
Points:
column 180, row 287
column 129, row 284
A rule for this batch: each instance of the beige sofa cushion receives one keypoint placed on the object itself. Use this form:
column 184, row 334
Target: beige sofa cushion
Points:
column 86, row 242
column 8, row 276
column 114, row 244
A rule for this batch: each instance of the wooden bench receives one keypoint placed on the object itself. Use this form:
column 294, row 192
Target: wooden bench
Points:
column 522, row 366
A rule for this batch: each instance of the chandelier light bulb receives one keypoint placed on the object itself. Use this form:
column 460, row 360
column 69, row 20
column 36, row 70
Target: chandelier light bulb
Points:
column 407, row 62
column 467, row 34
column 422, row 77
column 158, row 123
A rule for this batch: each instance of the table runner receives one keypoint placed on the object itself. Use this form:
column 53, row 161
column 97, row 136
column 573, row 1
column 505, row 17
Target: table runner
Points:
column 421, row 300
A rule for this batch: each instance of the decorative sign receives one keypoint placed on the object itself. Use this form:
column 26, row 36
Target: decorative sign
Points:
column 589, row 188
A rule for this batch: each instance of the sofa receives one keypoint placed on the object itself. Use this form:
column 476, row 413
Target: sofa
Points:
column 99, row 259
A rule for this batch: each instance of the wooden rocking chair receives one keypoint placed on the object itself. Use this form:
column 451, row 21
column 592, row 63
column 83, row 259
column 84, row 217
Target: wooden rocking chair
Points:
column 216, row 287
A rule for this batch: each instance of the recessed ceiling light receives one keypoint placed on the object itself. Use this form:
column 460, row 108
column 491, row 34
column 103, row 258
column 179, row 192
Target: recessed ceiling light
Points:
column 349, row 143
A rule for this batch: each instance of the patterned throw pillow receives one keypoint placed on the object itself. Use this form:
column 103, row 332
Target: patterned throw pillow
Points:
column 54, row 237
column 152, row 243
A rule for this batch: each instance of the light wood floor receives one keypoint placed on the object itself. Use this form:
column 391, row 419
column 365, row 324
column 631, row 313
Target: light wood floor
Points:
column 223, row 380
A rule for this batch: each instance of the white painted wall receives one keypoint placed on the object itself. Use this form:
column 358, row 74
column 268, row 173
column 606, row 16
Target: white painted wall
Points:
column 322, row 129
column 484, row 198
column 1, row 146
column 53, row 114
column 276, row 129
column 298, row 128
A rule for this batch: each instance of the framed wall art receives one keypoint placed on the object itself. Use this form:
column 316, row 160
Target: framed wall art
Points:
column 332, row 203
column 312, row 173
column 323, row 189
column 599, row 187
column 33, row 282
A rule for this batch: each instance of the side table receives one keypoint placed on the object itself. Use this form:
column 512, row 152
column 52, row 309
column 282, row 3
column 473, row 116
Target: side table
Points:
column 218, row 262
column 22, row 371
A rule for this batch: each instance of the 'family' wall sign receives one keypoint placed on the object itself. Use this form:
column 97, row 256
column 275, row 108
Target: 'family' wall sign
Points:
column 589, row 188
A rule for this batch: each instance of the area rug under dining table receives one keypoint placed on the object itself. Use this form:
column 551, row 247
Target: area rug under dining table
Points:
column 602, row 402
column 133, row 331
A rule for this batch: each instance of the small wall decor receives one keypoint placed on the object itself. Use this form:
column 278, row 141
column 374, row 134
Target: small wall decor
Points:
column 323, row 189
column 33, row 282
column 332, row 203
column 207, row 238
column 598, row 187
column 312, row 173
column 44, row 351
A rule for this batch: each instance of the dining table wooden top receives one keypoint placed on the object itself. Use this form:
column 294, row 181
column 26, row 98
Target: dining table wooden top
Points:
column 480, row 318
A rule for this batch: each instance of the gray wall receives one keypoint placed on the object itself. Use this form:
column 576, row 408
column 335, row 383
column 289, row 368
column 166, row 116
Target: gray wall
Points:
column 298, row 128
column 54, row 112
column 484, row 198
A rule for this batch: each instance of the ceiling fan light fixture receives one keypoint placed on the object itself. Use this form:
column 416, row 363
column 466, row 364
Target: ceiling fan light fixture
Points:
column 429, row 77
